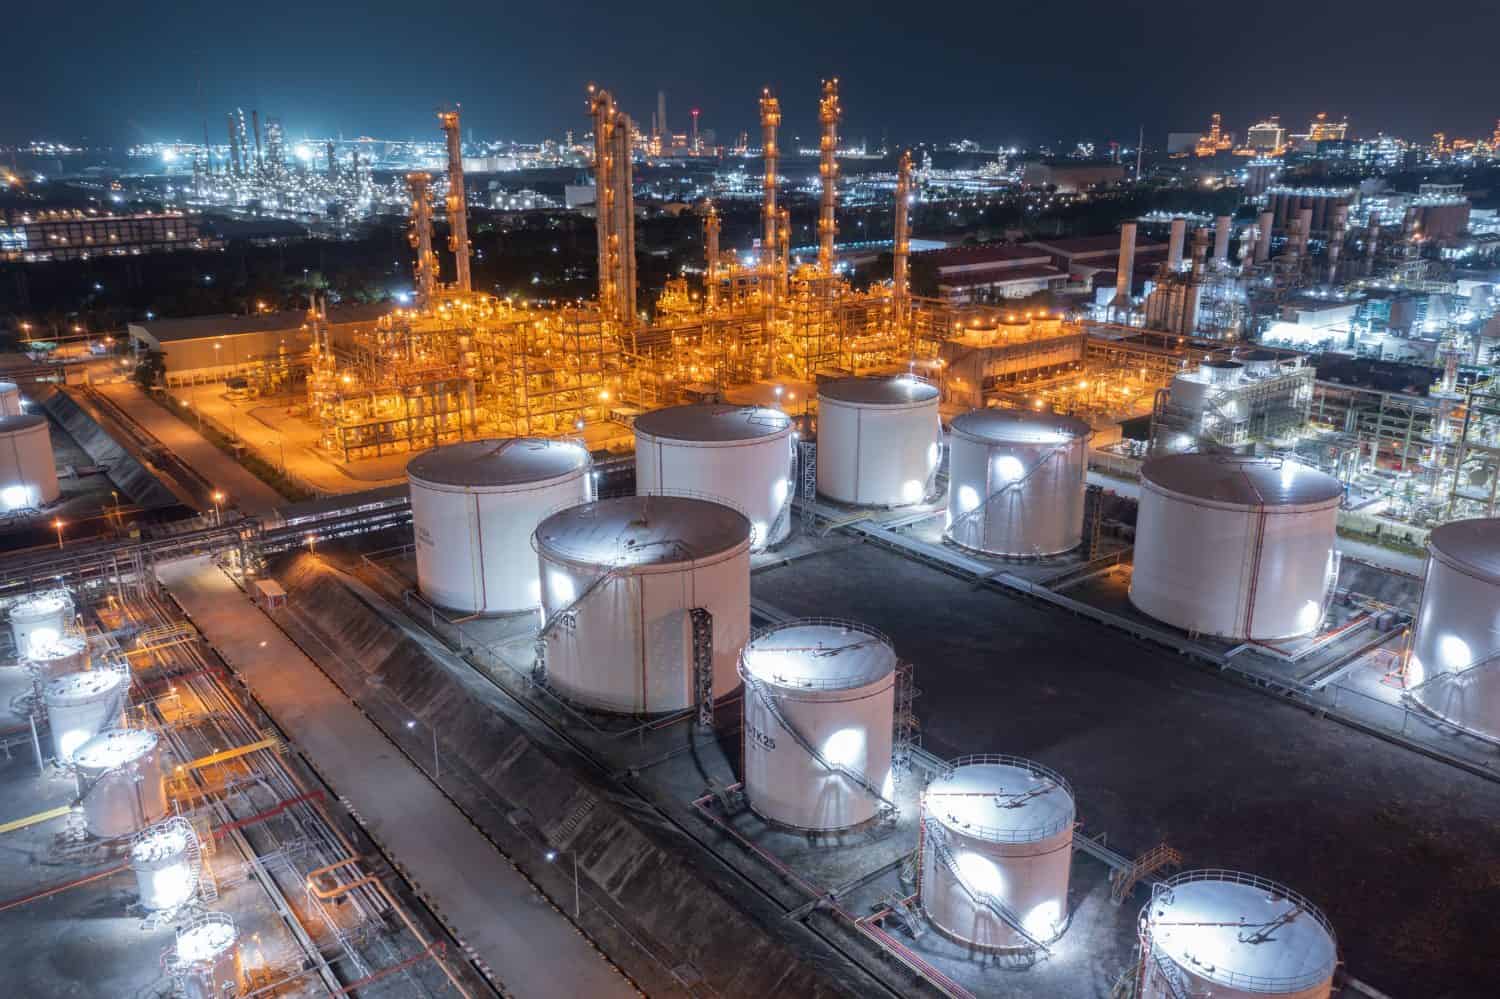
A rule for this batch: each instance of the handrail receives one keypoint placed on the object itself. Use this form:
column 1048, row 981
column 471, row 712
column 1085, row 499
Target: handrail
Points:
column 839, row 682
column 938, row 837
column 1452, row 675
column 1301, row 904
column 995, row 834
column 570, row 612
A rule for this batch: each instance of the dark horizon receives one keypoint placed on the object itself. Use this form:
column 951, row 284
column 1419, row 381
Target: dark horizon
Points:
column 156, row 72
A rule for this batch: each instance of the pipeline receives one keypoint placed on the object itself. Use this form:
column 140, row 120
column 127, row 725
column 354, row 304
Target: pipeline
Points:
column 58, row 889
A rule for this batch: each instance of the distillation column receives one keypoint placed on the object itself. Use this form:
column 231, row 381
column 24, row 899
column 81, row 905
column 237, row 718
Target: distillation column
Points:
column 828, row 170
column 458, row 208
column 420, row 185
column 901, row 249
column 711, row 244
column 770, row 121
column 615, row 207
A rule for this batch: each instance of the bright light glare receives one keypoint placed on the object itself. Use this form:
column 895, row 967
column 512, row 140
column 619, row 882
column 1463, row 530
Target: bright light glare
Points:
column 845, row 748
column 560, row 586
column 911, row 491
column 1008, row 468
column 980, row 873
column 304, row 153
column 968, row 498
column 1041, row 922
column 12, row 497
column 1455, row 652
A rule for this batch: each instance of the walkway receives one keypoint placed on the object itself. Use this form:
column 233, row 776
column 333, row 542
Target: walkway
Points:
column 531, row 948
column 244, row 490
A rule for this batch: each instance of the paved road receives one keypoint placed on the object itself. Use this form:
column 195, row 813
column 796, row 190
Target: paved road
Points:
column 532, row 949
column 243, row 489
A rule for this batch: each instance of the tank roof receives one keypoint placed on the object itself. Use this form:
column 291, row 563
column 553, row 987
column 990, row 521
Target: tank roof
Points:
column 642, row 530
column 59, row 647
column 82, row 686
column 716, row 423
column 205, row 940
column 1249, row 482
column 161, row 841
column 1001, row 798
column 42, row 604
column 21, row 421
column 1019, row 426
column 1471, row 546
column 823, row 654
column 114, row 748
column 498, row 462
column 903, row 390
column 1242, row 931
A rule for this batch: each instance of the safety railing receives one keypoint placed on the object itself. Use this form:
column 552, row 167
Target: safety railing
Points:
column 1013, row 834
column 823, row 682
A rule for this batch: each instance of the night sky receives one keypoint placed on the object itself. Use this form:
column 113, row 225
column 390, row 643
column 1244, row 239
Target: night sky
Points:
column 996, row 71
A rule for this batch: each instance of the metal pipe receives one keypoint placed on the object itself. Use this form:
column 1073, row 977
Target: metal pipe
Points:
column 458, row 208
column 828, row 172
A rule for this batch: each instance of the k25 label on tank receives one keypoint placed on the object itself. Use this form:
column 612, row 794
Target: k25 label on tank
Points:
column 759, row 738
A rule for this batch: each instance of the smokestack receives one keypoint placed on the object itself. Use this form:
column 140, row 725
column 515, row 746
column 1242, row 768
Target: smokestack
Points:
column 1174, row 244
column 234, row 145
column 711, row 246
column 901, row 246
column 694, row 140
column 1304, row 229
column 1221, row 239
column 661, row 117
column 1263, row 245
column 770, row 120
column 828, row 172
column 255, row 125
column 458, row 207
column 1125, row 269
column 1194, row 289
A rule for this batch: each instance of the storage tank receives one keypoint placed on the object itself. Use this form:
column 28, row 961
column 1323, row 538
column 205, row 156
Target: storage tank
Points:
column 620, row 581
column 474, row 506
column 81, row 705
column 1234, row 936
column 997, row 848
column 67, row 653
column 1235, row 547
column 166, row 861
column 40, row 618
column 120, row 781
column 879, row 440
column 742, row 453
column 1455, row 626
column 1016, row 481
column 819, row 707
column 206, row 958
column 10, row 399
column 28, row 473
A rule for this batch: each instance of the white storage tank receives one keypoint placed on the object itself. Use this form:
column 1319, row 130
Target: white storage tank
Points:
column 879, row 440
column 474, row 506
column 1458, row 627
column 28, row 472
column 620, row 579
column 67, row 653
column 742, row 453
column 825, row 687
column 10, row 399
column 1234, row 936
column 165, row 859
column 997, row 850
column 120, row 780
column 1016, row 481
column 206, row 958
column 81, row 705
column 1235, row 547
column 40, row 618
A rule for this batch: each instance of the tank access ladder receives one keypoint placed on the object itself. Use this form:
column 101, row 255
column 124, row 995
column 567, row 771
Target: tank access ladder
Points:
column 888, row 809
column 939, row 839
column 983, row 508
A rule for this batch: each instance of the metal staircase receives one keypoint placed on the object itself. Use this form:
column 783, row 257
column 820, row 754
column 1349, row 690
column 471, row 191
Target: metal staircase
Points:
column 703, row 664
column 888, row 809
column 809, row 451
column 566, row 617
column 1159, row 857
column 936, row 835
column 983, row 508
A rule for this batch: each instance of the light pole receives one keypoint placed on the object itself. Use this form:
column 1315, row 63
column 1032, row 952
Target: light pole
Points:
column 58, row 524
column 218, row 498
column 577, row 904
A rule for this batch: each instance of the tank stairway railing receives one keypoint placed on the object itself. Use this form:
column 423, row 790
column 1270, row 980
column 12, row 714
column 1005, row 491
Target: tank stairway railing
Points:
column 565, row 616
column 1158, row 858
column 784, row 514
column 1171, row 977
column 889, row 810
column 940, row 850
column 936, row 486
column 703, row 664
column 1450, row 676
column 983, row 508
column 1330, row 588
column 904, row 721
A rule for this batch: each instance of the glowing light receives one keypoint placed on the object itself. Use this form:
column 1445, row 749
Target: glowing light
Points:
column 1041, row 922
column 561, row 588
column 1008, row 468
column 968, row 499
column 911, row 491
column 980, row 873
column 1455, row 652
column 304, row 153
column 12, row 497
column 845, row 748
column 779, row 491
column 1309, row 615
column 934, row 453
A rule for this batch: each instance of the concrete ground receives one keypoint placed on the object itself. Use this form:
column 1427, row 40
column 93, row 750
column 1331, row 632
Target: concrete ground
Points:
column 244, row 490
column 533, row 949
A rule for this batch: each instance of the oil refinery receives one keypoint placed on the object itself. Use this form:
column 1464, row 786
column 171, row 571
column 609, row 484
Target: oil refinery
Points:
column 791, row 633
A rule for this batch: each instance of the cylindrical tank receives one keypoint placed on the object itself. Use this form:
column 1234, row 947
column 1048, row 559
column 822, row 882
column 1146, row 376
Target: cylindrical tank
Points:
column 28, row 473
column 742, row 453
column 474, row 505
column 1260, row 363
column 165, row 858
column 120, row 779
column 620, row 581
column 878, row 440
column 997, row 828
column 67, row 653
column 1234, row 936
column 81, row 705
column 40, row 618
column 1235, row 547
column 1455, row 627
column 206, row 959
column 1016, row 481
column 818, row 686
column 10, row 399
